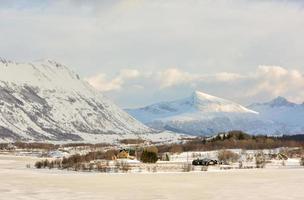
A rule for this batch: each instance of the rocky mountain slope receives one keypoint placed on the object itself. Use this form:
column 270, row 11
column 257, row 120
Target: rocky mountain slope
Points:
column 45, row 101
column 203, row 114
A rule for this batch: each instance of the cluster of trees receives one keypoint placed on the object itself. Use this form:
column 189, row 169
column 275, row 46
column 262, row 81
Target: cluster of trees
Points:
column 85, row 162
column 4, row 146
column 48, row 164
column 149, row 155
column 227, row 156
column 132, row 141
column 232, row 140
column 77, row 161
column 98, row 145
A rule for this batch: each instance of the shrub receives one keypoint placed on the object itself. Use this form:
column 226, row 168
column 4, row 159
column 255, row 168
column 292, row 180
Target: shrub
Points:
column 122, row 166
column 152, row 149
column 260, row 160
column 102, row 168
column 148, row 156
column 110, row 154
column 167, row 157
column 45, row 163
column 38, row 164
column 176, row 148
column 240, row 165
column 125, row 167
column 204, row 168
column 187, row 167
column 302, row 161
column 227, row 156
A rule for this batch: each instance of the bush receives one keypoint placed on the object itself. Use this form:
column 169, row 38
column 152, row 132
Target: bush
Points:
column 204, row 168
column 152, row 149
column 122, row 166
column 187, row 167
column 260, row 160
column 148, row 157
column 125, row 167
column 227, row 156
column 38, row 164
column 110, row 154
column 102, row 168
column 176, row 149
column 167, row 157
column 302, row 161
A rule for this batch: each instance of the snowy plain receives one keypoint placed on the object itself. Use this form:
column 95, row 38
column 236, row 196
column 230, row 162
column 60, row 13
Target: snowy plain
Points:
column 20, row 183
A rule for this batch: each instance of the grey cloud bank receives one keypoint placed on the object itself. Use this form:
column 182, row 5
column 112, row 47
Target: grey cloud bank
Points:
column 191, row 44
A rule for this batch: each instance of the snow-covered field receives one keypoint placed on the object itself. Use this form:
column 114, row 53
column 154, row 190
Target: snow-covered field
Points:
column 19, row 182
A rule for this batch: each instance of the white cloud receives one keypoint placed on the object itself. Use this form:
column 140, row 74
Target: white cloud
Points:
column 196, row 36
column 174, row 76
column 225, row 76
column 276, row 80
column 263, row 84
column 101, row 83
column 214, row 45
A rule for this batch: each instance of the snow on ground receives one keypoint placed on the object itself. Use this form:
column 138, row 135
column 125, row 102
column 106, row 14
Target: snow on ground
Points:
column 213, row 154
column 20, row 183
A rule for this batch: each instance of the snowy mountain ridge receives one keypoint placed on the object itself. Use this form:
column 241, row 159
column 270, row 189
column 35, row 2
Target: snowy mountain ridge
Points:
column 277, row 102
column 282, row 111
column 204, row 114
column 189, row 108
column 45, row 101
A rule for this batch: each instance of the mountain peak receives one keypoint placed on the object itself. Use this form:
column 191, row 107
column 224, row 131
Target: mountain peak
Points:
column 203, row 96
column 46, row 101
column 208, row 103
column 280, row 101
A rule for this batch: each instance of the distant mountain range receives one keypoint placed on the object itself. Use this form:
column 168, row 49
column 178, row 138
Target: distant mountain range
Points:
column 288, row 114
column 203, row 114
column 46, row 101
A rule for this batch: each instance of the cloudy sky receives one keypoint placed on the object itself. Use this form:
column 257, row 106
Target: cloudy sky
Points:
column 139, row 52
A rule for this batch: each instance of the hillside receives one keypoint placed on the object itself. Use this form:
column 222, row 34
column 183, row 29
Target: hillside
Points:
column 204, row 114
column 46, row 101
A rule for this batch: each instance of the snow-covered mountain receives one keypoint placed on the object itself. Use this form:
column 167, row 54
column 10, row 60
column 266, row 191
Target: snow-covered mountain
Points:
column 44, row 100
column 290, row 115
column 203, row 114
